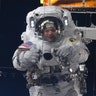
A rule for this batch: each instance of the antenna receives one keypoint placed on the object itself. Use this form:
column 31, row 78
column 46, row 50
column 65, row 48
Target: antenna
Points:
column 83, row 3
column 45, row 2
column 49, row 2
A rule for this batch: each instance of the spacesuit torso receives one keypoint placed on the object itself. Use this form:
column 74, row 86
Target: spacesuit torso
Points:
column 51, row 73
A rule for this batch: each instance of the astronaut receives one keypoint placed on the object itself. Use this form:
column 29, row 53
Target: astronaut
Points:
column 50, row 57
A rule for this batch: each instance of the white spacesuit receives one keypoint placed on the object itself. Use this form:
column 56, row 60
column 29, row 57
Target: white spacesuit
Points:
column 51, row 53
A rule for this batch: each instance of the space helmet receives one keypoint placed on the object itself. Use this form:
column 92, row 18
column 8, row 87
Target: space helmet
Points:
column 49, row 22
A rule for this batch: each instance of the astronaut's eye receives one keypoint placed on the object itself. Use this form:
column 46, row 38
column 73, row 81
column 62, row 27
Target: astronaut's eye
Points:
column 50, row 30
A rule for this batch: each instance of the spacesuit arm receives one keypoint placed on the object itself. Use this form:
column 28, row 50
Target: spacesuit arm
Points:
column 73, row 53
column 24, row 59
column 16, row 63
column 79, row 54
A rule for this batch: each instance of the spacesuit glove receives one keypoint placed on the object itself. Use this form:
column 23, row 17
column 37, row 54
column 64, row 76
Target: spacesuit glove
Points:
column 30, row 57
column 63, row 52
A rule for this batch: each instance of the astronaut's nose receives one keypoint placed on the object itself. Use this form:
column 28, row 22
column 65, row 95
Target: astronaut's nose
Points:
column 50, row 32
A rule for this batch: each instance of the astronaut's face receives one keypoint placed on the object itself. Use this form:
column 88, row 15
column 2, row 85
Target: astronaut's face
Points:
column 50, row 34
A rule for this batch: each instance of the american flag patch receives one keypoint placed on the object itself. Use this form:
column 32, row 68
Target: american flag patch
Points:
column 26, row 45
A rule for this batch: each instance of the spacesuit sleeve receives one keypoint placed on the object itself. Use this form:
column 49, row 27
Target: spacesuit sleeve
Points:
column 26, row 56
column 80, row 53
column 16, row 62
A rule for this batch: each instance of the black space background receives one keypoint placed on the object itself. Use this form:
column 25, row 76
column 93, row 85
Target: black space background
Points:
column 12, row 24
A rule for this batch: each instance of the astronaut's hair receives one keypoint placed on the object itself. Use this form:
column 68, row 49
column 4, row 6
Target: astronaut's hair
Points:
column 47, row 24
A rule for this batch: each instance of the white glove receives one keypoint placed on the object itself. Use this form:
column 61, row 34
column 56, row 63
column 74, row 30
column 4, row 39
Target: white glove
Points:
column 29, row 57
column 72, row 53
column 68, row 54
column 63, row 52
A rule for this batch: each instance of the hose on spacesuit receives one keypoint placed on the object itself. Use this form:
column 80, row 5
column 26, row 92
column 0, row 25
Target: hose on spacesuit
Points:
column 82, row 75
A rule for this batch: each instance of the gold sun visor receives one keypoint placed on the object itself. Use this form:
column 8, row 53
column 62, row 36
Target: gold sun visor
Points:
column 70, row 3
